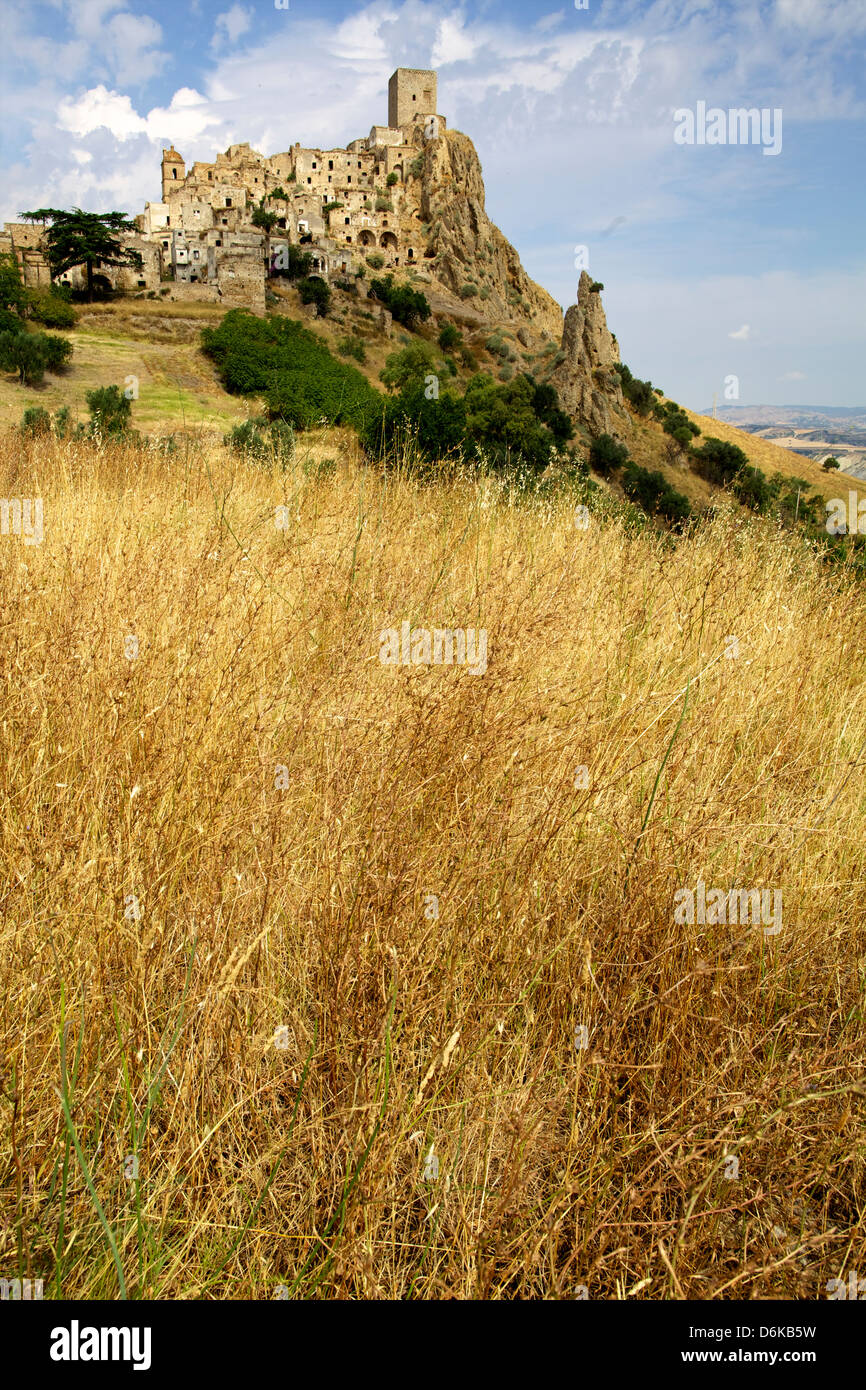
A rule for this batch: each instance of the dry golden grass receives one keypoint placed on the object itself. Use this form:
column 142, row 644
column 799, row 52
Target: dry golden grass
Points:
column 247, row 987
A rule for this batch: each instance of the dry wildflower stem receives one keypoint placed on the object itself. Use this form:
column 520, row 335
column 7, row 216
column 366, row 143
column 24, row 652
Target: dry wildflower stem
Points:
column 237, row 983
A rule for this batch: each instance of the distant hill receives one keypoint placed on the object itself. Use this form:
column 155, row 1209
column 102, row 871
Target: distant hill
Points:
column 813, row 431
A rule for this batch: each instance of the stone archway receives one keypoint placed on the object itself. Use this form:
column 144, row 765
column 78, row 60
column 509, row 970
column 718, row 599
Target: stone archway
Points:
column 388, row 241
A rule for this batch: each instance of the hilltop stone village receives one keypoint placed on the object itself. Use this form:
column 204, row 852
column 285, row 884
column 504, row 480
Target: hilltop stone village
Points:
column 341, row 204
column 408, row 198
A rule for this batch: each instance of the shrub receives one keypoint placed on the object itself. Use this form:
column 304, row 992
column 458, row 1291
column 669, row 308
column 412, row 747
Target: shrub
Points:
column 314, row 290
column 449, row 337
column 352, row 347
column 35, row 421
column 605, row 454
column 298, row 263
column 485, row 292
column 10, row 322
column 638, row 393
column 468, row 358
column 829, row 464
column 384, row 205
column 719, row 461
column 265, row 441
column 654, row 494
column 392, row 179
column 416, row 168
column 596, row 287
column 110, row 410
column 406, row 305
column 408, row 367
column 375, row 261
column 50, row 308
column 468, row 290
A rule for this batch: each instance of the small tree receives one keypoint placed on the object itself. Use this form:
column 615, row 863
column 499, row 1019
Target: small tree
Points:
column 392, row 179
column 450, row 337
column 85, row 238
column 830, row 463
column 31, row 355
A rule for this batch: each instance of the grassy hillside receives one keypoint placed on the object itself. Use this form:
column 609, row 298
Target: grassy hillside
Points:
column 179, row 389
column 287, row 924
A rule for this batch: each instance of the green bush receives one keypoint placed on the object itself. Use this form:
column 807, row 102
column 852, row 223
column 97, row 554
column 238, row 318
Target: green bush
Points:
column 638, row 393
column 10, row 322
column 110, row 410
column 314, row 290
column 596, row 287
column 392, row 179
column 416, row 168
column 511, row 426
column 375, row 260
column 719, row 462
column 654, row 494
column 405, row 304
column 606, row 454
column 265, row 441
column 35, row 421
column 384, row 205
column 408, row 367
column 449, row 337
column 468, row 290
column 298, row 263
column 50, row 309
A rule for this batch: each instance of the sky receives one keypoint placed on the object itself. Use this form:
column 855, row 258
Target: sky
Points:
column 726, row 269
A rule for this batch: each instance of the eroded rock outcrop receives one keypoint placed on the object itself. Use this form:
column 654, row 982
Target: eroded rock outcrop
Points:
column 588, row 384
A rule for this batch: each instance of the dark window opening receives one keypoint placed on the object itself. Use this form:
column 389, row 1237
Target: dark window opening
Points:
column 228, row 202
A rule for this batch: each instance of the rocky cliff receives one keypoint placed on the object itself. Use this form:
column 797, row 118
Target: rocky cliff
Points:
column 464, row 246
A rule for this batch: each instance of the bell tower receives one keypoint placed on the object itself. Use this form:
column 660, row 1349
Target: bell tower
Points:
column 173, row 171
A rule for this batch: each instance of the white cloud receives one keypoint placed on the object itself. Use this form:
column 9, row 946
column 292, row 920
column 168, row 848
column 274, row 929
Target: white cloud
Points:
column 742, row 334
column 793, row 376
column 98, row 109
column 453, row 44
column 229, row 26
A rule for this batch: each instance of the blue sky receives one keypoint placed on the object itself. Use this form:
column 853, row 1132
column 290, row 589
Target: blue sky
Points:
column 717, row 260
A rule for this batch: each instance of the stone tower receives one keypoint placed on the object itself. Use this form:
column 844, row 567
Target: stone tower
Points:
column 173, row 171
column 411, row 93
